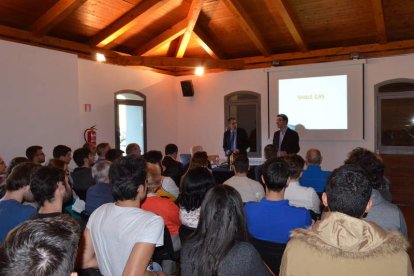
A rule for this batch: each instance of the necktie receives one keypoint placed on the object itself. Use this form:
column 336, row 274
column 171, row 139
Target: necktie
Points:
column 232, row 140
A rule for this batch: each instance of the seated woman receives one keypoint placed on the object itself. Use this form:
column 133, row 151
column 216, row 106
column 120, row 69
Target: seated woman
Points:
column 195, row 185
column 219, row 245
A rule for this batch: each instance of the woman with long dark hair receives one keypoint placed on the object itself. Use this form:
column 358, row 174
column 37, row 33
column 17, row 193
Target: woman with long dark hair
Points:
column 219, row 245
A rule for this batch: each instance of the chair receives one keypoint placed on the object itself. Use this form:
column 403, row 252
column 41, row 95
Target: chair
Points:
column 271, row 253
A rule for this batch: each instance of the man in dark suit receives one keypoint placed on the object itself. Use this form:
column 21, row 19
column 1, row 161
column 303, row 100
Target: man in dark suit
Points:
column 285, row 140
column 235, row 139
column 173, row 168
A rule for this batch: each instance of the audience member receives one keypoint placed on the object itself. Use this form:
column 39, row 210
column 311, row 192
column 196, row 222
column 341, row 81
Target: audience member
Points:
column 133, row 149
column 113, row 155
column 91, row 148
column 249, row 189
column 12, row 211
column 342, row 243
column 165, row 208
column 272, row 218
column 219, row 244
column 41, row 247
column 3, row 168
column 82, row 175
column 298, row 195
column 120, row 237
column 314, row 176
column 169, row 188
column 101, row 192
column 35, row 154
column 173, row 168
column 15, row 161
column 383, row 213
column 196, row 183
column 63, row 153
column 101, row 150
column 268, row 152
column 199, row 159
column 51, row 190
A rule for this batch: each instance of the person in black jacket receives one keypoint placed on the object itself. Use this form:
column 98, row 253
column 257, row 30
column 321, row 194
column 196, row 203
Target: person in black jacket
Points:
column 285, row 140
column 235, row 139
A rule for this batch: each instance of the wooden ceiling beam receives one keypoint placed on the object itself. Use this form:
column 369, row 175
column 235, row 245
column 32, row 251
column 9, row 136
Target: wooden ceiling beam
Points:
column 282, row 7
column 137, row 14
column 165, row 37
column 54, row 15
column 193, row 13
column 178, row 62
column 379, row 20
column 205, row 42
column 247, row 25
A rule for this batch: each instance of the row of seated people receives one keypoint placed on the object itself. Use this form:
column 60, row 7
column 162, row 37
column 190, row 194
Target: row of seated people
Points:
column 269, row 218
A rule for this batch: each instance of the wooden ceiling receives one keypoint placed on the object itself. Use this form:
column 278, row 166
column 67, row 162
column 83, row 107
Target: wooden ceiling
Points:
column 174, row 36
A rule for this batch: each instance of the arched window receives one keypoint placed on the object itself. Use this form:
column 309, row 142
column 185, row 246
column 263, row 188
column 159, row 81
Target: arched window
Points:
column 395, row 116
column 245, row 107
column 130, row 119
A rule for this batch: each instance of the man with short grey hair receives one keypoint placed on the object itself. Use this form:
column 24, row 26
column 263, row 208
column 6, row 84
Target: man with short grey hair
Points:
column 101, row 192
column 314, row 176
column 133, row 149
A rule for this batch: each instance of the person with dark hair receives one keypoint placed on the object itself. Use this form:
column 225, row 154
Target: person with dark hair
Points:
column 133, row 149
column 101, row 150
column 51, row 190
column 91, row 148
column 169, row 188
column 35, row 154
column 249, row 189
column 14, row 162
column 120, row 237
column 235, row 140
column 41, row 247
column 342, row 243
column 196, row 182
column 285, row 140
column 219, row 244
column 82, row 175
column 268, row 152
column 383, row 212
column 3, row 169
column 173, row 168
column 113, row 154
column 63, row 153
column 12, row 211
column 314, row 176
column 298, row 195
column 273, row 218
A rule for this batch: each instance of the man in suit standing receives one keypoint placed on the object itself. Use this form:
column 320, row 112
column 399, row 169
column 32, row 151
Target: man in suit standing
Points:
column 285, row 140
column 235, row 139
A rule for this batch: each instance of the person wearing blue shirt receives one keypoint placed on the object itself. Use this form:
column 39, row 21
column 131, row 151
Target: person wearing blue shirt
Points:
column 314, row 176
column 272, row 219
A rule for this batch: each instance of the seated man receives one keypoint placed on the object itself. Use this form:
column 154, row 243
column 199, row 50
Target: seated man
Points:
column 82, row 175
column 272, row 219
column 268, row 152
column 12, row 211
column 120, row 237
column 133, row 149
column 173, row 168
column 41, row 247
column 35, row 154
column 249, row 189
column 51, row 190
column 298, row 195
column 63, row 153
column 314, row 176
column 342, row 243
column 101, row 150
column 101, row 192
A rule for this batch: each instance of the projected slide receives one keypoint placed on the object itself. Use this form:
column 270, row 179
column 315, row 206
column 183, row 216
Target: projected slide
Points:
column 315, row 102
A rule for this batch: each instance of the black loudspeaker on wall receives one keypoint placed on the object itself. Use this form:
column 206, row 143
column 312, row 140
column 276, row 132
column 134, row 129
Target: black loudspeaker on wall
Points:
column 187, row 88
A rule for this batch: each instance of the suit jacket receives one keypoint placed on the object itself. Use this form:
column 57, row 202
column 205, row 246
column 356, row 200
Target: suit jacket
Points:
column 173, row 169
column 290, row 142
column 242, row 142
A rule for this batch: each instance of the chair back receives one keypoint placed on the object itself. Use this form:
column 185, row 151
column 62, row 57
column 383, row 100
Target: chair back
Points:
column 165, row 252
column 271, row 253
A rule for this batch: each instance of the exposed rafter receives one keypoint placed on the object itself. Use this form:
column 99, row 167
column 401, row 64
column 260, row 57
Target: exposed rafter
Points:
column 165, row 37
column 193, row 13
column 54, row 15
column 379, row 20
column 179, row 62
column 139, row 13
column 204, row 45
column 291, row 23
column 248, row 25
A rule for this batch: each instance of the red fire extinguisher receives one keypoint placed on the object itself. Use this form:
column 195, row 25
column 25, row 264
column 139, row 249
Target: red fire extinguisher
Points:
column 90, row 135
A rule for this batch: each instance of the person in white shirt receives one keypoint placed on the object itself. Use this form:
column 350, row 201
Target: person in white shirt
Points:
column 298, row 195
column 249, row 189
column 120, row 237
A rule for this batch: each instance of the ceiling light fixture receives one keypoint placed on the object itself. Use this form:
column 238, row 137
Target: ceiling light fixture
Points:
column 100, row 57
column 199, row 71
